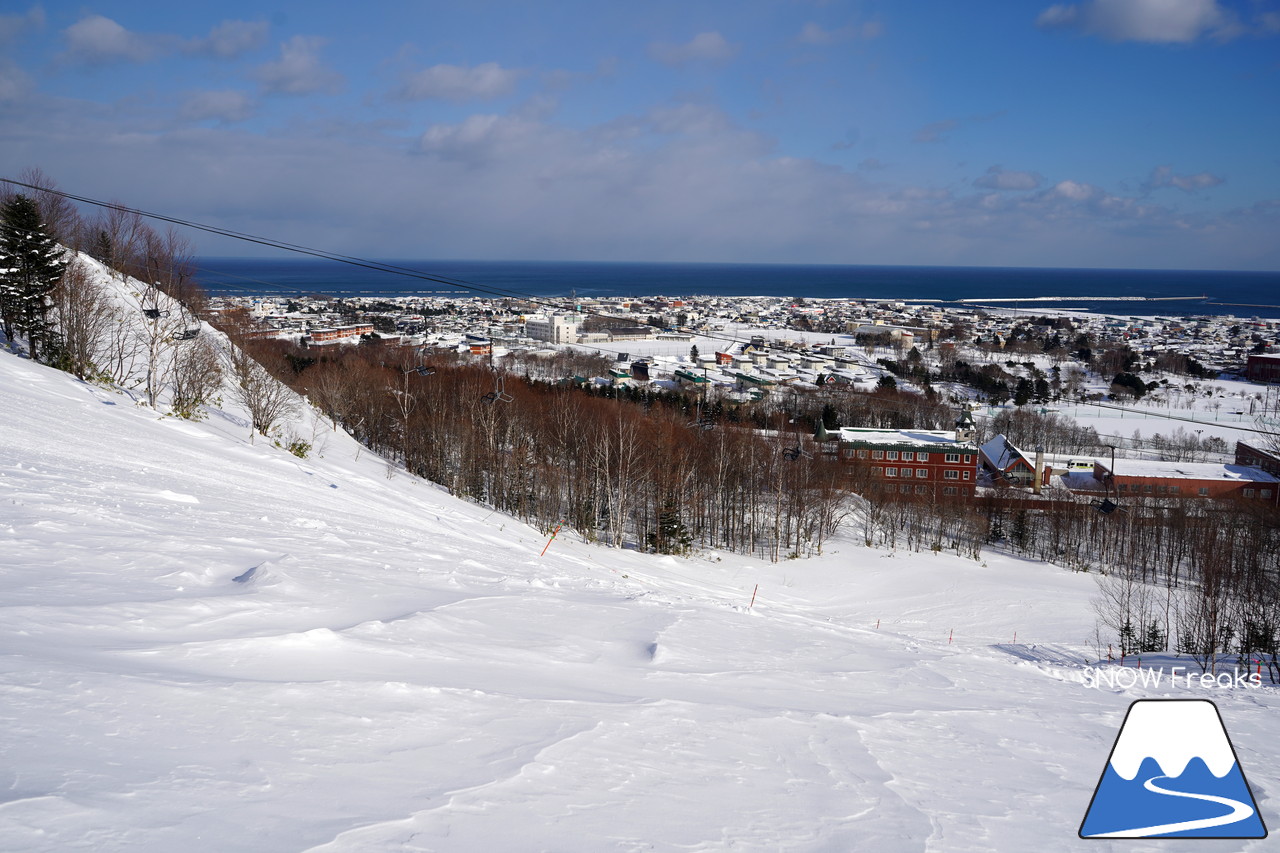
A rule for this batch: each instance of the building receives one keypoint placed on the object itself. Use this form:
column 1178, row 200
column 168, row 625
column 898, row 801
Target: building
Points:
column 1263, row 368
column 1008, row 465
column 927, row 463
column 322, row 335
column 1135, row 478
column 1255, row 457
column 554, row 328
column 631, row 333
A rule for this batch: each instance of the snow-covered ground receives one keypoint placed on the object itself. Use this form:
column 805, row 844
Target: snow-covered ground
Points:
column 212, row 645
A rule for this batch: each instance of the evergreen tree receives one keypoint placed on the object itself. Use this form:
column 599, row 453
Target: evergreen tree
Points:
column 1153, row 640
column 31, row 265
column 1022, row 393
column 671, row 537
column 1129, row 641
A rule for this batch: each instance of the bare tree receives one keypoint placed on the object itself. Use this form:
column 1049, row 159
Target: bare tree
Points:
column 60, row 217
column 267, row 399
column 162, row 322
column 85, row 319
column 197, row 375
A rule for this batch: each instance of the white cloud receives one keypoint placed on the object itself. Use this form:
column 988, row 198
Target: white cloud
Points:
column 998, row 178
column 299, row 70
column 1074, row 191
column 704, row 47
column 935, row 131
column 224, row 106
column 457, row 83
column 483, row 139
column 683, row 181
column 230, row 39
column 1159, row 21
column 14, row 82
column 1163, row 176
column 812, row 33
column 12, row 25
column 97, row 40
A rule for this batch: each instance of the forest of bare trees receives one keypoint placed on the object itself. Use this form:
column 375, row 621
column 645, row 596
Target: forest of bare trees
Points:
column 612, row 469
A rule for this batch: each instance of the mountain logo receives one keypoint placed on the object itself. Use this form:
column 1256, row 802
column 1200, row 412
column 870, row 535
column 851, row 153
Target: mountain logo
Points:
column 1172, row 773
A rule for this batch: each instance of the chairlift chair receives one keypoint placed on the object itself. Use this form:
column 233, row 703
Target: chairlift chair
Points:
column 1106, row 506
column 498, row 394
column 701, row 420
column 794, row 453
column 154, row 313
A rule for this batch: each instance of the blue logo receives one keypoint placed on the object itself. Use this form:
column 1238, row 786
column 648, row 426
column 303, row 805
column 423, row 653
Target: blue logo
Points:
column 1172, row 773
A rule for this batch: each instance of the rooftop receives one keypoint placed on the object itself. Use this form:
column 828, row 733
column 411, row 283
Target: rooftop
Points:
column 920, row 437
column 1190, row 471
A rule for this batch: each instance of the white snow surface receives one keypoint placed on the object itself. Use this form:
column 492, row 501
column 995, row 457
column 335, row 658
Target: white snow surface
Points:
column 212, row 645
column 1172, row 733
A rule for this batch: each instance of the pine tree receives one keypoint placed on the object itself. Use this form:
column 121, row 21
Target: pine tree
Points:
column 1022, row 394
column 31, row 265
column 1153, row 640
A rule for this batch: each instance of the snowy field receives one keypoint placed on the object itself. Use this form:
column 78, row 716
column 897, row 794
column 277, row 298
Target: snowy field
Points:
column 212, row 645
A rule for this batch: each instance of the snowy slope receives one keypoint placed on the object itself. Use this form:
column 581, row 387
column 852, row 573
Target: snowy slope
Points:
column 207, row 645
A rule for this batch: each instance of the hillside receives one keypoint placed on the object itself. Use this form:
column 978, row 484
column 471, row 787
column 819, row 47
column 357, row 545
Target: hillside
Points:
column 213, row 645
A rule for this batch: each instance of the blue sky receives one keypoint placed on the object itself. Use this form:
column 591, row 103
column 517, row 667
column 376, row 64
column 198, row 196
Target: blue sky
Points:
column 1102, row 133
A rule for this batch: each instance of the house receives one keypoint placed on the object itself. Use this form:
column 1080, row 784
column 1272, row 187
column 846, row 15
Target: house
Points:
column 1010, row 466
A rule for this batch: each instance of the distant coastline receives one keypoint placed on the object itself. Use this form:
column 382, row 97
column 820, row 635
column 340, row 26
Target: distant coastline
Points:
column 1174, row 292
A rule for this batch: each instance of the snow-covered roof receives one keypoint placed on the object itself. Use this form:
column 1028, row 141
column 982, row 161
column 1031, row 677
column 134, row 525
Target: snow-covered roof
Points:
column 921, row 437
column 1190, row 471
column 1001, row 454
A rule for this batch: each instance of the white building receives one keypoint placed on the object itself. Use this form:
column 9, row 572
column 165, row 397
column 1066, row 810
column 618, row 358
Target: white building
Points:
column 554, row 328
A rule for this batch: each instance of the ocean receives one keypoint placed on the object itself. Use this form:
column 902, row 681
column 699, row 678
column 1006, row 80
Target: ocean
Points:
column 1123, row 292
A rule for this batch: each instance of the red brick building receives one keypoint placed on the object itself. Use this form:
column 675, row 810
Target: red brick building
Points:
column 1146, row 479
column 322, row 335
column 914, row 462
column 1257, row 458
column 1263, row 368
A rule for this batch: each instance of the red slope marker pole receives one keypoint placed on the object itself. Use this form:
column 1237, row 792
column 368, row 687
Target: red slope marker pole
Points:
column 950, row 635
column 553, row 537
column 753, row 596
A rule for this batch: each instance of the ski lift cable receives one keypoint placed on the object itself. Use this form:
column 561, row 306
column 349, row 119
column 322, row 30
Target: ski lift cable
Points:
column 352, row 260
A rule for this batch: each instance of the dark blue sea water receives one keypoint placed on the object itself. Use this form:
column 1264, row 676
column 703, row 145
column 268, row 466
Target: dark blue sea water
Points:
column 1139, row 292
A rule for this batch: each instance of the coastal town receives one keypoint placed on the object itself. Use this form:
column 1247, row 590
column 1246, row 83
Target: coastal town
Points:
column 1220, row 344
column 1207, row 381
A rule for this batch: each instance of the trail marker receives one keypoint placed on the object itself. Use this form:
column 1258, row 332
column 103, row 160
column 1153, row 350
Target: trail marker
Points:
column 554, row 533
